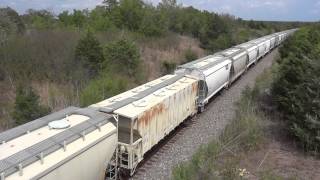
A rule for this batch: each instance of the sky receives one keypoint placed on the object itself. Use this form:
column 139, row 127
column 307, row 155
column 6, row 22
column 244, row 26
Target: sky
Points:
column 273, row 10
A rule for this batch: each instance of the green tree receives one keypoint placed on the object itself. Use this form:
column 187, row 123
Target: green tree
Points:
column 27, row 106
column 10, row 21
column 41, row 19
column 131, row 14
column 79, row 18
column 99, row 20
column 110, row 5
column 122, row 56
column 296, row 89
column 65, row 18
column 89, row 53
column 153, row 23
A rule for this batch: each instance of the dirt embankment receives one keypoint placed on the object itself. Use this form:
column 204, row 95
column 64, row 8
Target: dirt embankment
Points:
column 171, row 49
column 280, row 156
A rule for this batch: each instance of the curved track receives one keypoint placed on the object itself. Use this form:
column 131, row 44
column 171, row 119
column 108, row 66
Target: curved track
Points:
column 182, row 144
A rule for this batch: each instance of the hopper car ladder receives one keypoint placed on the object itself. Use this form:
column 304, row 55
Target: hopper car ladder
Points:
column 112, row 168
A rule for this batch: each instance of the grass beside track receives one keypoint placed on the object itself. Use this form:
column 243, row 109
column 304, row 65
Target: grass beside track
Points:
column 221, row 158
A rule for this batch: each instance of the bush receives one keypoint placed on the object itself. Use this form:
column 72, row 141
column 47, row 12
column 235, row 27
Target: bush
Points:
column 102, row 88
column 168, row 67
column 152, row 23
column 2, row 74
column 89, row 53
column 123, row 57
column 41, row 56
column 40, row 19
column 27, row 106
column 190, row 55
column 296, row 88
column 10, row 22
column 244, row 133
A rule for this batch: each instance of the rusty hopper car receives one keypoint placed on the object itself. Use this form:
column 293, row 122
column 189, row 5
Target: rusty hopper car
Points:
column 70, row 144
column 148, row 113
column 115, row 102
column 213, row 75
column 143, row 123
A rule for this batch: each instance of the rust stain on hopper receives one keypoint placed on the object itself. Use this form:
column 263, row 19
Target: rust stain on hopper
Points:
column 150, row 114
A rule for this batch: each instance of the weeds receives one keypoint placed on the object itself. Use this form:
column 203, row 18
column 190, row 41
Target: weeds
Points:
column 220, row 159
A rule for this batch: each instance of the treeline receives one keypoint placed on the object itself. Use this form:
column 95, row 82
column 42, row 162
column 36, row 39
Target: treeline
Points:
column 85, row 56
column 215, row 31
column 296, row 89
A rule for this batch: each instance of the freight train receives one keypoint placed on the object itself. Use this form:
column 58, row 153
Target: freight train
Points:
column 112, row 135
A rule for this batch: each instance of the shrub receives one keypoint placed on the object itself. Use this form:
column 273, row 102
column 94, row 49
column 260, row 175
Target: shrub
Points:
column 296, row 88
column 168, row 67
column 27, row 106
column 190, row 55
column 40, row 56
column 10, row 22
column 40, row 19
column 123, row 57
column 243, row 133
column 152, row 23
column 102, row 88
column 89, row 53
column 2, row 74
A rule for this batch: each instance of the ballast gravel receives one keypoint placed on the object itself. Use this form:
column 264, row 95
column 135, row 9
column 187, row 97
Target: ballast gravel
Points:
column 202, row 128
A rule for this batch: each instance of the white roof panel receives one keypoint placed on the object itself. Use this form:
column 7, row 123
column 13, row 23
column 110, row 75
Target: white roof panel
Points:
column 132, row 110
column 131, row 92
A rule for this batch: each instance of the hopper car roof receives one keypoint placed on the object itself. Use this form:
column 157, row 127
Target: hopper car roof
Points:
column 25, row 143
column 205, row 62
column 231, row 52
column 246, row 45
column 116, row 102
column 135, row 108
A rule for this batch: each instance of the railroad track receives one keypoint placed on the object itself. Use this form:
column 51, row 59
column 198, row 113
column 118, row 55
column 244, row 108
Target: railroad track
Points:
column 181, row 144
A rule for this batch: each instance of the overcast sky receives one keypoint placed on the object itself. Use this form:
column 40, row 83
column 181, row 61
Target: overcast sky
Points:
column 292, row 10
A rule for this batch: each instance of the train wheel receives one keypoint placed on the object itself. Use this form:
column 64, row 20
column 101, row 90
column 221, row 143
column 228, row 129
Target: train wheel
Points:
column 201, row 109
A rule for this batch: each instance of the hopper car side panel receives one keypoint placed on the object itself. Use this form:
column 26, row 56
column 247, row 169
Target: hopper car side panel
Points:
column 88, row 163
column 268, row 45
column 239, row 65
column 168, row 114
column 217, row 80
column 262, row 50
column 272, row 42
column 253, row 54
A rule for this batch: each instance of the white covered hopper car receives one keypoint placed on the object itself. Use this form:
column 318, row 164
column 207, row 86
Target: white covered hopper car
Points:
column 70, row 144
column 213, row 74
column 252, row 52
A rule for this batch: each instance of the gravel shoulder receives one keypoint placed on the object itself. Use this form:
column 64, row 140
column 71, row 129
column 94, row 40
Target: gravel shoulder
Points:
column 202, row 128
